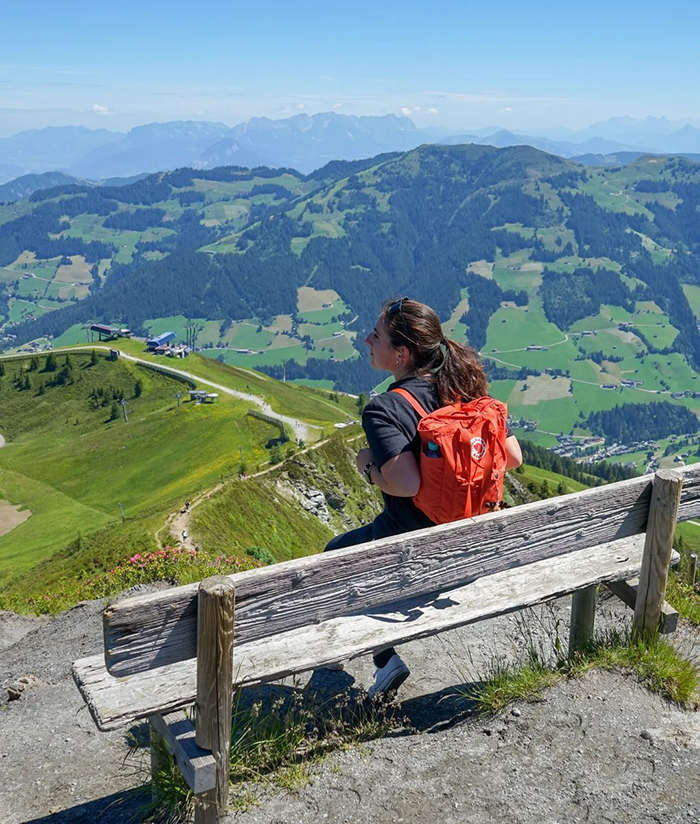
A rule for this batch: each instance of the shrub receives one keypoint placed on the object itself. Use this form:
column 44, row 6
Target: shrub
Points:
column 260, row 554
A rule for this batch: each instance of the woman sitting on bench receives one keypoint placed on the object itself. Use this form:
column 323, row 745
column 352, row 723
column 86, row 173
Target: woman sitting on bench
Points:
column 408, row 341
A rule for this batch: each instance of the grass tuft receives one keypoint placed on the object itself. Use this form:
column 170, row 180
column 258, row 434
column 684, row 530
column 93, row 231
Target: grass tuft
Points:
column 684, row 598
column 274, row 741
column 656, row 663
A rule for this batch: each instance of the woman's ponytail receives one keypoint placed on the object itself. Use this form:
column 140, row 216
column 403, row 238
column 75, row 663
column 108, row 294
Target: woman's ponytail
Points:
column 456, row 368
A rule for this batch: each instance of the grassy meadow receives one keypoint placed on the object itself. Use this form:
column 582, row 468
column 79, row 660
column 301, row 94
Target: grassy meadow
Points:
column 72, row 465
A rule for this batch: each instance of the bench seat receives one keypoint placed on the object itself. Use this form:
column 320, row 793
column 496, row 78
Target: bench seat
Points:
column 116, row 701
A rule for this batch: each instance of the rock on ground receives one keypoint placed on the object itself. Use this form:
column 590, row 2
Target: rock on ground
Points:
column 601, row 748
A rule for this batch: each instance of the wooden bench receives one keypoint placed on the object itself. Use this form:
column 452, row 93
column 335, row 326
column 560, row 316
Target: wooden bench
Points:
column 171, row 649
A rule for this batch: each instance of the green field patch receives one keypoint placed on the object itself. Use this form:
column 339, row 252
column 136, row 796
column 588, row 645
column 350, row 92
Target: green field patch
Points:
column 154, row 233
column 518, row 229
column 518, row 278
column 270, row 357
column 21, row 309
column 56, row 520
column 222, row 212
column 519, row 328
column 250, row 336
column 299, row 244
column 612, row 342
column 73, row 336
column 317, row 332
column 558, row 416
column 539, row 438
column 171, row 323
column 533, row 474
column 316, row 300
column 691, row 292
column 607, row 197
column 501, row 389
column 320, row 316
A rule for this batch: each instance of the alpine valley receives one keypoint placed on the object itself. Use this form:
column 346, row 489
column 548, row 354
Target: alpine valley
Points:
column 579, row 285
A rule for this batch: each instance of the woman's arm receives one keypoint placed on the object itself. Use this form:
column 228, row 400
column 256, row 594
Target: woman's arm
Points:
column 399, row 476
column 514, row 457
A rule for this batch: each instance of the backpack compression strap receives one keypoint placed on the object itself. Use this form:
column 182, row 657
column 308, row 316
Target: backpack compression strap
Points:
column 414, row 403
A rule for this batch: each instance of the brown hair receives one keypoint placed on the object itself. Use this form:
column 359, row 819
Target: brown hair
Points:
column 456, row 368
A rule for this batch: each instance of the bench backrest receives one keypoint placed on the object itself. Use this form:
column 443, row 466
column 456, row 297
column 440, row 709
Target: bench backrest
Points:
column 146, row 632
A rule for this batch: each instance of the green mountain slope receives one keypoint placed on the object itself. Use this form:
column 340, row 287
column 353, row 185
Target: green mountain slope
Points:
column 74, row 462
column 580, row 286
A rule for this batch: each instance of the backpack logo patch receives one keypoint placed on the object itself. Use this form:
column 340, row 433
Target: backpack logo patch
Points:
column 478, row 448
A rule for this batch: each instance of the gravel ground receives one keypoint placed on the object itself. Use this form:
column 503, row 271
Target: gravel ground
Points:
column 596, row 749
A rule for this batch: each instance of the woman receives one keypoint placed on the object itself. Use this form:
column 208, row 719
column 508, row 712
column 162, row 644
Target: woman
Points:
column 407, row 340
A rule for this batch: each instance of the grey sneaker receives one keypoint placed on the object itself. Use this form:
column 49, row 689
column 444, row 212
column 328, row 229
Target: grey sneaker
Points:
column 389, row 677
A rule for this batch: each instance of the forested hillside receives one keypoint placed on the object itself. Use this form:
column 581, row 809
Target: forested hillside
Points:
column 580, row 286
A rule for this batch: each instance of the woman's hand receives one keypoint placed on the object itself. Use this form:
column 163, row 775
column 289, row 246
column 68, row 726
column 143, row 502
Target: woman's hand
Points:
column 364, row 456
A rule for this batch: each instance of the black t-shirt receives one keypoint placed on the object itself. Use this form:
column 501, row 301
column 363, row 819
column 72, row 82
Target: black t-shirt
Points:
column 391, row 427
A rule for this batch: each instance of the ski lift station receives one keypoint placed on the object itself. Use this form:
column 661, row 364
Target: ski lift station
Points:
column 110, row 332
column 202, row 396
column 160, row 340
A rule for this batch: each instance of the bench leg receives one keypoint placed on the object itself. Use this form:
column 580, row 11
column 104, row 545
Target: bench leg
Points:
column 582, row 618
column 658, row 545
column 156, row 753
column 215, row 617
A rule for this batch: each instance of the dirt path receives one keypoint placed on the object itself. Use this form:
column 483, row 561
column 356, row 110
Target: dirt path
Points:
column 179, row 522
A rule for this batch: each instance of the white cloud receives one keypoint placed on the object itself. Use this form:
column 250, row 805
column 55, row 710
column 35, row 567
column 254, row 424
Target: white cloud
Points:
column 432, row 110
column 301, row 106
column 96, row 108
column 506, row 109
column 337, row 106
column 405, row 110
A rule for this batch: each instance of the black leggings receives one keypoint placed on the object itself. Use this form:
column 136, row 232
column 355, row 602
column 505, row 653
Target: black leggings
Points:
column 360, row 536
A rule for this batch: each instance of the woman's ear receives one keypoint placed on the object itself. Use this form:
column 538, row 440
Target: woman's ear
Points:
column 403, row 355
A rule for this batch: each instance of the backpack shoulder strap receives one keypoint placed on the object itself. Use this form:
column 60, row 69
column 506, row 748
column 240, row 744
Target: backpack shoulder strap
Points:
column 414, row 403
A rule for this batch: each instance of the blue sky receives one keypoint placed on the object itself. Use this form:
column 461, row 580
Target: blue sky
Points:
column 457, row 65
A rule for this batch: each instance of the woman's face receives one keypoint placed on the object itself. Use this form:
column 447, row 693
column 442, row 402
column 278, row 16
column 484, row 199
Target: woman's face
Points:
column 382, row 354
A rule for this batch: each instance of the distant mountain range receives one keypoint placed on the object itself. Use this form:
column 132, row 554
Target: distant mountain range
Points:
column 306, row 143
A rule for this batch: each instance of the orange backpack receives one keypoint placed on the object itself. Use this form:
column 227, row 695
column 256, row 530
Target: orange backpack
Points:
column 462, row 458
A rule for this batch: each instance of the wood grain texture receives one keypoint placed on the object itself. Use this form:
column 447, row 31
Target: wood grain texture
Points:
column 117, row 701
column 582, row 618
column 215, row 621
column 665, row 500
column 160, row 628
column 197, row 765
column 626, row 591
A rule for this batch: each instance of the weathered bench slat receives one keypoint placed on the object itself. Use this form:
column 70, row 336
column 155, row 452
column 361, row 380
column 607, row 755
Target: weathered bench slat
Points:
column 197, row 766
column 117, row 701
column 158, row 629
